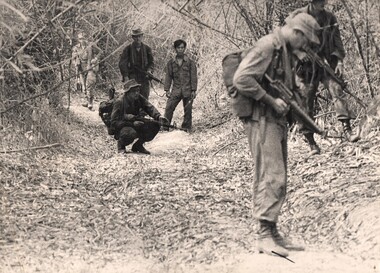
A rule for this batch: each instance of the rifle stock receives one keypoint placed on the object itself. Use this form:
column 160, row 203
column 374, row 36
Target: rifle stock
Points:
column 287, row 96
column 322, row 64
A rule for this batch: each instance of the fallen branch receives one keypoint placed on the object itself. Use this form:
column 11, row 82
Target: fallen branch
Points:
column 232, row 142
column 32, row 148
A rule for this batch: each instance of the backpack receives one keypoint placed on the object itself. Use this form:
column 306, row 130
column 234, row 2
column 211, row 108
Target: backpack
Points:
column 105, row 111
column 241, row 106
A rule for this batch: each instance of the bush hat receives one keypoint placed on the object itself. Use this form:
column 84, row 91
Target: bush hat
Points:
column 307, row 25
column 130, row 84
column 137, row 32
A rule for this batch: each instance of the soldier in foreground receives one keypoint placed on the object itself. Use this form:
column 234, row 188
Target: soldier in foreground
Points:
column 266, row 124
column 127, row 122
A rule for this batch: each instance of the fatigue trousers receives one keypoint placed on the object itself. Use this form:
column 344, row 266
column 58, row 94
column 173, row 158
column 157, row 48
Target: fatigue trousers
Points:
column 144, row 133
column 268, row 145
column 308, row 86
column 187, row 109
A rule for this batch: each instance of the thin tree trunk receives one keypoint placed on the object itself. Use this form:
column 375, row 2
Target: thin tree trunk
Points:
column 360, row 49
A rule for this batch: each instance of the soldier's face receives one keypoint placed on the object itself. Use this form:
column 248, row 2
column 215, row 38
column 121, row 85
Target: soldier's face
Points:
column 180, row 50
column 137, row 39
column 134, row 93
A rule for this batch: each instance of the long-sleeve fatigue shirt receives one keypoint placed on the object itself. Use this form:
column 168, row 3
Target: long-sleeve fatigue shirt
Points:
column 133, row 63
column 183, row 79
column 248, row 78
column 123, row 106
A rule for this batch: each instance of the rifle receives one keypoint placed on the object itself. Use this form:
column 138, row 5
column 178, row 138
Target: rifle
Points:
column 322, row 64
column 288, row 97
column 159, row 123
column 150, row 75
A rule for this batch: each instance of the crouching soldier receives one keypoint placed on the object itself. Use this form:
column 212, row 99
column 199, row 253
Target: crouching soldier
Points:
column 128, row 123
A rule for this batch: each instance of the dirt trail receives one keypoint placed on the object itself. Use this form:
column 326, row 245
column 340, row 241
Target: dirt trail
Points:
column 168, row 212
column 314, row 260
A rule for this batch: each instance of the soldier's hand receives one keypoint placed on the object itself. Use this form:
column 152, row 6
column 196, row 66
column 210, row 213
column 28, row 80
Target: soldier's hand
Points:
column 138, row 123
column 168, row 94
column 339, row 69
column 193, row 94
column 129, row 116
column 125, row 79
column 280, row 106
column 163, row 120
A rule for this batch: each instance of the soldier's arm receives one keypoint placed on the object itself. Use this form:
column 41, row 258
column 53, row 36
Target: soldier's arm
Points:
column 149, row 108
column 194, row 76
column 168, row 76
column 339, row 51
column 150, row 67
column 123, row 62
column 117, row 120
column 250, row 71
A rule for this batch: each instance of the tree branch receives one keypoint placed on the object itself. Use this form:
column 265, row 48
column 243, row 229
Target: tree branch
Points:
column 32, row 148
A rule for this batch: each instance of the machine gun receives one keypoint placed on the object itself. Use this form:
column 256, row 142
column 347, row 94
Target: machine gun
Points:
column 322, row 64
column 288, row 97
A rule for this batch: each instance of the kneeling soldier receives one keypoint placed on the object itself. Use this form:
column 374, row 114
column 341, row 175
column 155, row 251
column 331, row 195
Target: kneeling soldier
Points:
column 127, row 121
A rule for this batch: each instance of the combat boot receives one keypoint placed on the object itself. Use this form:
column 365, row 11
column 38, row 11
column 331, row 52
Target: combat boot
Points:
column 350, row 136
column 265, row 240
column 315, row 150
column 139, row 148
column 120, row 147
column 285, row 243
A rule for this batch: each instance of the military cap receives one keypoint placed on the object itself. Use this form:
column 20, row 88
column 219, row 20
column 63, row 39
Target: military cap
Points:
column 307, row 25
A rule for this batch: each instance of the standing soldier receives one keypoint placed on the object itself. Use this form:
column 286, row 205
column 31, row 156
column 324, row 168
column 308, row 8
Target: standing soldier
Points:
column 82, row 53
column 266, row 125
column 181, row 75
column 136, row 62
column 310, row 74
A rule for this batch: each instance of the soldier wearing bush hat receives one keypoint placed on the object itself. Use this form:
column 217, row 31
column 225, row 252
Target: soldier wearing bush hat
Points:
column 136, row 62
column 266, row 122
column 127, row 122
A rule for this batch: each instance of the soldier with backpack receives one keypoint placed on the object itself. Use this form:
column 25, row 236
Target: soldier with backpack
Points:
column 264, row 115
column 127, row 122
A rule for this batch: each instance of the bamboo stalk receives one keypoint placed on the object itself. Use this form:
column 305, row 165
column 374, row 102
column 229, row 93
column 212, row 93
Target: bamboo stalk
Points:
column 360, row 48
